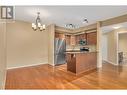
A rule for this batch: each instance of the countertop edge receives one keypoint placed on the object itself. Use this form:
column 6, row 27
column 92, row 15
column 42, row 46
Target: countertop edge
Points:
column 71, row 52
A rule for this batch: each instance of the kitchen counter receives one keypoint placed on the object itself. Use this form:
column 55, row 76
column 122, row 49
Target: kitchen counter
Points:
column 73, row 52
column 79, row 61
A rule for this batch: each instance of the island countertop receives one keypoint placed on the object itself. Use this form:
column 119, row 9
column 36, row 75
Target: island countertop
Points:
column 74, row 52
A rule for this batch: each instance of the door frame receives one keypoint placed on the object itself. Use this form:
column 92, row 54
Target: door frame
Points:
column 118, row 33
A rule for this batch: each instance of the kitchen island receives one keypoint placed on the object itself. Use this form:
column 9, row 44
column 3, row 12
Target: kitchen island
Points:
column 79, row 62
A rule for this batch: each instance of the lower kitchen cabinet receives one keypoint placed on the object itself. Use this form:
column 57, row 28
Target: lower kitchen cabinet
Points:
column 81, row 62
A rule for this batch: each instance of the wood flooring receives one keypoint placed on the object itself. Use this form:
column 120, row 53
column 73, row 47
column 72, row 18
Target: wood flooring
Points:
column 49, row 77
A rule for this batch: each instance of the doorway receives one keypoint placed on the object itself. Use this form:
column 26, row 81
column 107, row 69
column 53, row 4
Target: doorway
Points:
column 122, row 48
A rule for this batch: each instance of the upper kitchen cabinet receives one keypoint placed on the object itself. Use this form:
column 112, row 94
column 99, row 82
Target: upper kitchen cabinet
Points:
column 72, row 40
column 79, row 37
column 59, row 35
column 68, row 39
column 92, row 38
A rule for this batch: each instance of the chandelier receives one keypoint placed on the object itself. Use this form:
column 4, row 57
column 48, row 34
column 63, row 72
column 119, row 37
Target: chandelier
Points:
column 37, row 25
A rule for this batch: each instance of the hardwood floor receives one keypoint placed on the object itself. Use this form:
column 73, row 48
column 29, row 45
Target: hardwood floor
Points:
column 48, row 77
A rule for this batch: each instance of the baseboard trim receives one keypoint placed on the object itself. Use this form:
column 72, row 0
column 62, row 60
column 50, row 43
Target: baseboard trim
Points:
column 110, row 62
column 27, row 65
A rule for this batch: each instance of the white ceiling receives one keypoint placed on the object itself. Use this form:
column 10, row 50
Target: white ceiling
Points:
column 61, row 15
column 109, row 28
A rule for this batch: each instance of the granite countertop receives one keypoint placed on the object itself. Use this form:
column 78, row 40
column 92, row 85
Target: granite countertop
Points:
column 74, row 52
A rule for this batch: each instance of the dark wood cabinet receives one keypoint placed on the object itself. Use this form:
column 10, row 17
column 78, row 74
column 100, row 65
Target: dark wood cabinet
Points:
column 81, row 62
column 59, row 35
column 74, row 39
column 79, row 37
column 71, row 62
column 92, row 38
column 68, row 39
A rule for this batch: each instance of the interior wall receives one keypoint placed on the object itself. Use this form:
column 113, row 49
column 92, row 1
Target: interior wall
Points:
column 112, row 47
column 51, row 35
column 104, row 47
column 2, row 54
column 122, row 42
column 25, row 47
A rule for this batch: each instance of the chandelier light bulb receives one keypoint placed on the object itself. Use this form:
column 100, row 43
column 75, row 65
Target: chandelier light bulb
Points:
column 33, row 24
column 41, row 28
column 44, row 26
column 39, row 24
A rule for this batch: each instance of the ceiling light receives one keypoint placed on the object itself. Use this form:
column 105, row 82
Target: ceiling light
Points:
column 37, row 25
column 85, row 20
column 116, row 27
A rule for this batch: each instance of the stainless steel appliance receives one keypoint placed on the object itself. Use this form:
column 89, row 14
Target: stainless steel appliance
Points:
column 84, row 48
column 59, row 52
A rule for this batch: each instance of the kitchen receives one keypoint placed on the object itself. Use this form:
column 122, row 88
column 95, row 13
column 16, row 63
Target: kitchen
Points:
column 77, row 49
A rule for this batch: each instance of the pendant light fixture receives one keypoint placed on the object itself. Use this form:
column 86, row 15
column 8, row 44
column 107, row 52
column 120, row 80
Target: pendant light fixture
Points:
column 38, row 25
column 85, row 20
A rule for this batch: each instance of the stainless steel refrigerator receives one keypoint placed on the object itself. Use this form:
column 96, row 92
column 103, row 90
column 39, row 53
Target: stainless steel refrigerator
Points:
column 59, row 51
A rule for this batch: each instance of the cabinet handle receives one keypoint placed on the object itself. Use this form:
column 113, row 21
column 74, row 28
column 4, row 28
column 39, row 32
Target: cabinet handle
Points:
column 73, row 56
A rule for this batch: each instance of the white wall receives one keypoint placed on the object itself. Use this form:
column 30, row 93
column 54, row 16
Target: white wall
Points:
column 112, row 47
column 2, row 54
column 122, row 42
column 104, row 47
column 51, row 32
column 24, row 46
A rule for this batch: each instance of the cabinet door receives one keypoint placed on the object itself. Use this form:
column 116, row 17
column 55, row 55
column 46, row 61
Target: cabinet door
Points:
column 56, row 35
column 83, row 36
column 92, row 38
column 59, row 35
column 68, row 38
column 79, row 37
column 92, row 60
column 73, row 42
column 71, row 62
